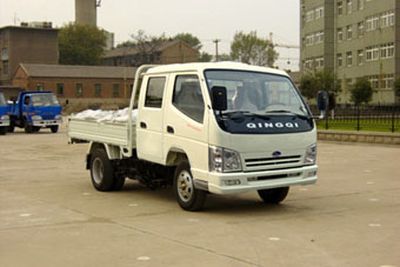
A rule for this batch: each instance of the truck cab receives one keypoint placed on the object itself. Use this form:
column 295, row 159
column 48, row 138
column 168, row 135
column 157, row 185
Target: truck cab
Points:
column 4, row 118
column 34, row 110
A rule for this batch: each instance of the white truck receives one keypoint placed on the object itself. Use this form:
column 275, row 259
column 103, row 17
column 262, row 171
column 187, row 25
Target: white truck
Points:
column 220, row 128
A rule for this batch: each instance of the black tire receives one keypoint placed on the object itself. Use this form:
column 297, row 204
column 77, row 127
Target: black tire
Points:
column 118, row 183
column 3, row 130
column 274, row 195
column 189, row 198
column 54, row 128
column 28, row 128
column 11, row 128
column 35, row 129
column 101, row 171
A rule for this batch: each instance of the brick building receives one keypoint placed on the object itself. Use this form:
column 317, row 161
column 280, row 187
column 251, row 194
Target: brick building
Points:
column 90, row 85
column 30, row 43
column 168, row 52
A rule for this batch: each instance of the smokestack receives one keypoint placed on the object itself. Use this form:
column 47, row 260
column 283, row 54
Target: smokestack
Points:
column 86, row 12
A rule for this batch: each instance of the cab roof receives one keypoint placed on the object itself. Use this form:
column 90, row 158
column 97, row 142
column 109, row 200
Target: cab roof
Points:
column 200, row 67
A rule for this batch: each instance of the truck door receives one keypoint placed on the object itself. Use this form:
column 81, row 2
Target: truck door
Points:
column 149, row 126
column 186, row 121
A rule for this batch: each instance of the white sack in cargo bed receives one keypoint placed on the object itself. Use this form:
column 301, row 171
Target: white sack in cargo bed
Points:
column 106, row 115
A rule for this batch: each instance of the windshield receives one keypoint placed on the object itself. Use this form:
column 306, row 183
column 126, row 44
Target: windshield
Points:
column 2, row 100
column 257, row 92
column 44, row 100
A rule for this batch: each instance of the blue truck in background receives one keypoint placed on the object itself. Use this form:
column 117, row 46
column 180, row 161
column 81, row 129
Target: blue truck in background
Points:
column 34, row 110
column 4, row 118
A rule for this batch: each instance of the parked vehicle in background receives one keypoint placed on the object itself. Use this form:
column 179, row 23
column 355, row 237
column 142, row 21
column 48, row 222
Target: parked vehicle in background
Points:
column 4, row 118
column 34, row 110
column 222, row 128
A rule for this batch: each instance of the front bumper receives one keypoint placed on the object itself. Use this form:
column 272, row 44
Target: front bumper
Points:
column 231, row 183
column 4, row 123
column 46, row 123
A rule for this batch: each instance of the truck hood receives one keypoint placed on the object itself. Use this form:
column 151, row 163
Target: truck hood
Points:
column 47, row 112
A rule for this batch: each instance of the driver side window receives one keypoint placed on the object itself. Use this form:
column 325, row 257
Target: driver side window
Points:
column 187, row 97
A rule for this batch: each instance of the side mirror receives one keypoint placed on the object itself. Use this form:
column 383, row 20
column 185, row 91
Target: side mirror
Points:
column 219, row 98
column 323, row 103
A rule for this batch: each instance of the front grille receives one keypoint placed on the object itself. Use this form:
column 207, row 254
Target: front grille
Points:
column 272, row 162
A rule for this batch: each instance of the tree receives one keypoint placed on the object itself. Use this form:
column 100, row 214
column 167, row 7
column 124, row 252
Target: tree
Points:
column 205, row 57
column 250, row 49
column 325, row 80
column 308, row 85
column 81, row 44
column 190, row 39
column 397, row 87
column 361, row 92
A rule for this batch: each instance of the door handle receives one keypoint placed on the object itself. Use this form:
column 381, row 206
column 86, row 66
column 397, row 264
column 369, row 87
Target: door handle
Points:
column 143, row 125
column 170, row 129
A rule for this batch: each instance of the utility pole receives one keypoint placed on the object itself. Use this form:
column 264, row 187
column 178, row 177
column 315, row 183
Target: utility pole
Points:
column 216, row 41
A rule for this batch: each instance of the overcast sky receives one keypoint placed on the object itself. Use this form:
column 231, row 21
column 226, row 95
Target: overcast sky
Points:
column 206, row 19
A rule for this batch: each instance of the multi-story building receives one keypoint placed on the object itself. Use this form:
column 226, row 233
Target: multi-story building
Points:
column 30, row 43
column 354, row 39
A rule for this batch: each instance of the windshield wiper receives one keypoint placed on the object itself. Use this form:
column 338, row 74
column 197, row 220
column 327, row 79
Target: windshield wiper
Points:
column 289, row 112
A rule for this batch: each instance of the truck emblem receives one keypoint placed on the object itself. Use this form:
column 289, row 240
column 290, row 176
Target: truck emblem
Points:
column 267, row 125
column 276, row 154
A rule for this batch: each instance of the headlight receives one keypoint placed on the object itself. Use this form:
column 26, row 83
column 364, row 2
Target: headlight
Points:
column 5, row 118
column 57, row 117
column 224, row 160
column 311, row 155
column 36, row 118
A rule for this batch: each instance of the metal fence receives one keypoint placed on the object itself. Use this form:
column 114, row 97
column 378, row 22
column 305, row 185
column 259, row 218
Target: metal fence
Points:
column 362, row 118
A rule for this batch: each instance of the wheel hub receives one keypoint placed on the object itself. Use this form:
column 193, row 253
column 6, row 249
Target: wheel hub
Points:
column 185, row 186
column 98, row 170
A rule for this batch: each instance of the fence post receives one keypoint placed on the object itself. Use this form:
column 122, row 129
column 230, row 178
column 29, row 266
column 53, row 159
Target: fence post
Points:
column 393, row 119
column 358, row 117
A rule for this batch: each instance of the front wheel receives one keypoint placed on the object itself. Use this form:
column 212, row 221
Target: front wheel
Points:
column 274, row 195
column 28, row 128
column 3, row 130
column 54, row 128
column 188, row 197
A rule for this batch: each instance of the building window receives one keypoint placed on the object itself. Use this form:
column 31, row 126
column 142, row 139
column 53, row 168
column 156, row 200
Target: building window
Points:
column 5, row 67
column 60, row 89
column 115, row 91
column 349, row 6
column 372, row 53
column 339, row 58
column 349, row 32
column 360, row 4
column 387, row 81
column 387, row 19
column 308, row 64
column 4, row 54
column 374, row 81
column 319, row 12
column 319, row 62
column 372, row 23
column 39, row 87
column 360, row 57
column 387, row 50
column 319, row 37
column 155, row 92
column 340, row 8
column 79, row 89
column 310, row 16
column 97, row 90
column 309, row 39
column 360, row 29
column 349, row 83
column 340, row 34
column 349, row 59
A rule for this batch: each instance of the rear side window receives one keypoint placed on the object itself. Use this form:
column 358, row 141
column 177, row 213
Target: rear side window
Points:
column 187, row 97
column 155, row 92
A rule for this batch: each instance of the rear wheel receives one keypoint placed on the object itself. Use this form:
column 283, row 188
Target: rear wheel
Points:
column 54, row 128
column 3, row 130
column 102, row 172
column 35, row 129
column 188, row 197
column 274, row 195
